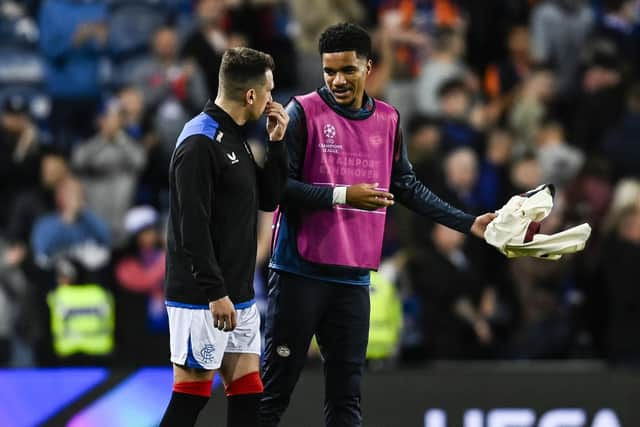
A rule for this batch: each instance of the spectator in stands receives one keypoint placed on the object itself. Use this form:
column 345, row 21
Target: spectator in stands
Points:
column 134, row 121
column 109, row 164
column 173, row 89
column 621, row 266
column 71, row 231
column 73, row 35
column 385, row 323
column 457, row 128
column 530, row 108
column 559, row 30
column 206, row 44
column 153, row 181
column 19, row 152
column 625, row 194
column 30, row 205
column 455, row 300
column 424, row 147
column 600, row 102
column 27, row 301
column 382, row 64
column 621, row 145
column 311, row 24
column 16, row 305
column 492, row 189
column 82, row 315
column 444, row 65
column 619, row 26
column 460, row 178
column 560, row 162
column 266, row 26
column 460, row 174
column 140, row 294
column 502, row 79
column 407, row 25
column 541, row 288
column 524, row 174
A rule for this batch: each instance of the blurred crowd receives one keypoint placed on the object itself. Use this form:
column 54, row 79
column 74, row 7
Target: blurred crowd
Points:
column 495, row 97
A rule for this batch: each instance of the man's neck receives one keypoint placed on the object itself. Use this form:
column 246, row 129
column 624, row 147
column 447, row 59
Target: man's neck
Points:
column 233, row 109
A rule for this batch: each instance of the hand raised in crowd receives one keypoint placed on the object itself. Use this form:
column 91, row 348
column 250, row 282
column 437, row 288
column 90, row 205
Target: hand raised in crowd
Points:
column 366, row 196
column 277, row 121
column 85, row 31
column 224, row 314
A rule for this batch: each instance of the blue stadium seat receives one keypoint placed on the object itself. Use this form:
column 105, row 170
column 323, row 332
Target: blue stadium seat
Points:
column 20, row 67
column 131, row 27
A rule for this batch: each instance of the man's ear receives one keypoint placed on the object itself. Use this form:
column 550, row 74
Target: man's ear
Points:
column 369, row 65
column 250, row 96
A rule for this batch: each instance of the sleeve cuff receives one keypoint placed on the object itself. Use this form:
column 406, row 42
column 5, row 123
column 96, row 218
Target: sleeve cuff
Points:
column 216, row 293
column 470, row 219
column 339, row 195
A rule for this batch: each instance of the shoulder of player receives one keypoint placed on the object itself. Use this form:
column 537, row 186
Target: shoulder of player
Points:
column 294, row 110
column 198, row 143
column 385, row 105
column 195, row 148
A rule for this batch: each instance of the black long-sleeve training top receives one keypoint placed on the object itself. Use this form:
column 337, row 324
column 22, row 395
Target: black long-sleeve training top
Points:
column 216, row 189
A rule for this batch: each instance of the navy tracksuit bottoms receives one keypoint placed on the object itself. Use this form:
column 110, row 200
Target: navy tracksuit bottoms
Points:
column 338, row 315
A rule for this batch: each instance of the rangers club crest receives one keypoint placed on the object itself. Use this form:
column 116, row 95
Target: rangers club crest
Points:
column 207, row 353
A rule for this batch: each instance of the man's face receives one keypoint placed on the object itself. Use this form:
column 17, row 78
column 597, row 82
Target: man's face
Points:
column 345, row 74
column 455, row 104
column 211, row 11
column 110, row 123
column 262, row 96
column 426, row 139
column 14, row 122
column 69, row 195
column 165, row 44
column 53, row 170
column 519, row 41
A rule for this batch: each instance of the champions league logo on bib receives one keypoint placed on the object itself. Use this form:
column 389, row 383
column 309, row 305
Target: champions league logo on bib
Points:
column 329, row 131
column 329, row 145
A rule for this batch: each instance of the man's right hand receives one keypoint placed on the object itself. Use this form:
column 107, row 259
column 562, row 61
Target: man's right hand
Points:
column 365, row 196
column 224, row 314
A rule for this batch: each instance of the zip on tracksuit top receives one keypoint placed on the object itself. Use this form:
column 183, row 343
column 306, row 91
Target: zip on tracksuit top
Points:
column 216, row 189
column 405, row 187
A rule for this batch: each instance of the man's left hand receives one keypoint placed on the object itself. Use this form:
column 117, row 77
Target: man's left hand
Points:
column 277, row 121
column 480, row 224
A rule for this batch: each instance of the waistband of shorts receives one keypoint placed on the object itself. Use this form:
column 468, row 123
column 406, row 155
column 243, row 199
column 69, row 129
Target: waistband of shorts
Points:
column 239, row 306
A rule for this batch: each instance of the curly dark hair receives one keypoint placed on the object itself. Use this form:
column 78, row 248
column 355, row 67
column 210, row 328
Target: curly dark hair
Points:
column 345, row 37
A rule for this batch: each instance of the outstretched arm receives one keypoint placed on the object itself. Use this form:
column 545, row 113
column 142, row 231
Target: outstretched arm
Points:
column 409, row 191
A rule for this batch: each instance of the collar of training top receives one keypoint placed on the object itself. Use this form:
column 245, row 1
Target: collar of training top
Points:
column 368, row 107
column 222, row 117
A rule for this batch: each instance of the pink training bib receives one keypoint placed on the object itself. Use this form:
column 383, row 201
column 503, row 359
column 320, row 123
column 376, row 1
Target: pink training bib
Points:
column 342, row 152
